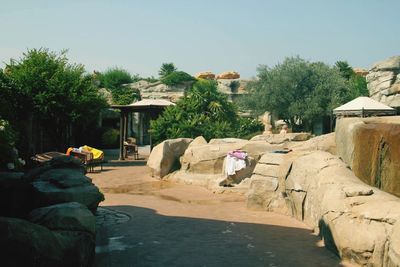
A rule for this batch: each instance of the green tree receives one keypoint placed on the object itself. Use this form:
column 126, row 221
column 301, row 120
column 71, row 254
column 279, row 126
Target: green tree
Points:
column 177, row 77
column 297, row 91
column 49, row 98
column 116, row 79
column 204, row 111
column 357, row 84
column 166, row 68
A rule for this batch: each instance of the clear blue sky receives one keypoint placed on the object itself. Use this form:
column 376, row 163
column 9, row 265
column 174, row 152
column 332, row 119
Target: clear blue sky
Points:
column 202, row 35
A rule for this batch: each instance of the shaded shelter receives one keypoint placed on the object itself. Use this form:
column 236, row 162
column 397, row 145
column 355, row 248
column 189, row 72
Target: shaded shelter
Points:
column 363, row 107
column 152, row 107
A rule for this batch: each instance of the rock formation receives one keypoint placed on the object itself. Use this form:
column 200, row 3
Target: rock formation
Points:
column 370, row 146
column 58, row 201
column 384, row 81
column 205, row 75
column 164, row 157
column 229, row 75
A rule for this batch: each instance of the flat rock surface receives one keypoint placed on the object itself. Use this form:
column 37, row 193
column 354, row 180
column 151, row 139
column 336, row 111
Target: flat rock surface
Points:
column 147, row 222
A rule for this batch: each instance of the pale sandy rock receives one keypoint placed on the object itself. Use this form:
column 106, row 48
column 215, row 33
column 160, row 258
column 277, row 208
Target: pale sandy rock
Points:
column 394, row 246
column 361, row 71
column 383, row 80
column 218, row 141
column 324, row 142
column 205, row 75
column 367, row 146
column 392, row 63
column 228, row 75
column 206, row 162
column 198, row 141
column 163, row 156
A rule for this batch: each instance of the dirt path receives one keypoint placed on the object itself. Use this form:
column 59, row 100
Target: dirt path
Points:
column 147, row 222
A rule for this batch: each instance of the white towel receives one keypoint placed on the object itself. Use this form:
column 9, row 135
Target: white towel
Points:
column 233, row 164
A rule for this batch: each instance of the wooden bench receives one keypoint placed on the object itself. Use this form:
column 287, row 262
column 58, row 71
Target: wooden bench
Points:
column 88, row 161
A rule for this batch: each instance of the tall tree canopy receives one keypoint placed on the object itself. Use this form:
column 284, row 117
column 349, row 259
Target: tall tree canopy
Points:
column 47, row 96
column 166, row 68
column 203, row 111
column 356, row 83
column 115, row 79
column 297, row 91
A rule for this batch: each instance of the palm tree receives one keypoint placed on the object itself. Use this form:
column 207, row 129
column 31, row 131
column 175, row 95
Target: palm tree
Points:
column 166, row 68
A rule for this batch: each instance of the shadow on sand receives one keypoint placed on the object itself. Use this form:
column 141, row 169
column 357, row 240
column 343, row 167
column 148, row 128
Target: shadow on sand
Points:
column 151, row 239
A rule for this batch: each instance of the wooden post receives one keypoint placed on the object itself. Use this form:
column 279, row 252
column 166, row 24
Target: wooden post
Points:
column 121, row 135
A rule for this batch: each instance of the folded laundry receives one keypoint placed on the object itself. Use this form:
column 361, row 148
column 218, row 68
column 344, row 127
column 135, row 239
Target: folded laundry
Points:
column 235, row 161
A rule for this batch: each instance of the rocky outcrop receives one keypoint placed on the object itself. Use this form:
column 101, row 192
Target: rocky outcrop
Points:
column 57, row 234
column 282, row 138
column 65, row 185
column 203, row 165
column 70, row 216
column 324, row 142
column 164, row 157
column 158, row 90
column 384, row 81
column 356, row 221
column 370, row 147
column 229, row 75
column 205, row 75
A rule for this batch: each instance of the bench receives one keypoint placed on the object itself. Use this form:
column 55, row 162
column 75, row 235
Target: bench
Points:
column 87, row 159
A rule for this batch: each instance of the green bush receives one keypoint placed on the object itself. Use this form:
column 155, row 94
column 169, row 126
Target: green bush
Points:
column 177, row 77
column 110, row 138
column 248, row 127
column 204, row 111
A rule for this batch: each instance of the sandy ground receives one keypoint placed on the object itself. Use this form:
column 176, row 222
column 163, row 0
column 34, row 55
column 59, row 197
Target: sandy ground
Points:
column 147, row 222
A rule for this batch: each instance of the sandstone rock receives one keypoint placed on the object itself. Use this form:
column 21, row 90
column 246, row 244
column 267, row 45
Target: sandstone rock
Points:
column 271, row 138
column 361, row 71
column 394, row 246
column 218, row 141
column 367, row 146
column 203, row 165
column 205, row 75
column 26, row 244
column 228, row 75
column 198, row 141
column 324, row 142
column 65, row 185
column 383, row 80
column 392, row 63
column 165, row 155
column 70, row 216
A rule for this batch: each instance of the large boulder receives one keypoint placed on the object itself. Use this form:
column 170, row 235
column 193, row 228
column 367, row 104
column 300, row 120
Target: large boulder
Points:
column 56, row 186
column 164, row 157
column 26, row 244
column 205, row 75
column 228, row 75
column 324, row 142
column 355, row 220
column 384, row 81
column 204, row 165
column 369, row 147
column 71, row 216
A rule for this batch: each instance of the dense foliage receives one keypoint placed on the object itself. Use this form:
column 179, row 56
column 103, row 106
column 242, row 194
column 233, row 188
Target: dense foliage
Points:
column 47, row 99
column 298, row 91
column 115, row 79
column 166, row 69
column 177, row 77
column 356, row 83
column 204, row 111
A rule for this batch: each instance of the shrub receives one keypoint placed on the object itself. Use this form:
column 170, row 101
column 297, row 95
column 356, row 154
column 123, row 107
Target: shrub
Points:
column 177, row 77
column 110, row 138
